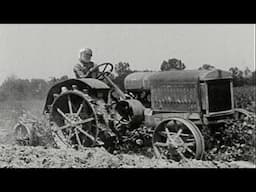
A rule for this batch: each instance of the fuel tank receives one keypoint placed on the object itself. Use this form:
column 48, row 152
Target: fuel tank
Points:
column 138, row 81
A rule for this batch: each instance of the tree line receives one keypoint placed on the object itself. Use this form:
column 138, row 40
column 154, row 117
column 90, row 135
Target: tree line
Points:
column 240, row 77
column 14, row 88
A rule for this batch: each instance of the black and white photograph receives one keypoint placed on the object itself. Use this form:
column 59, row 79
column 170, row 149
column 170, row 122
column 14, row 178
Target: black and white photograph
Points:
column 123, row 96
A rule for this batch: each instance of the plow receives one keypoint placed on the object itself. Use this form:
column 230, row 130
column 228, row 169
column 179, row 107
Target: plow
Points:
column 166, row 111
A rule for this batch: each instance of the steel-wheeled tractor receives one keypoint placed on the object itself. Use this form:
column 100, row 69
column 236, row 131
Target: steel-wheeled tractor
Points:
column 169, row 109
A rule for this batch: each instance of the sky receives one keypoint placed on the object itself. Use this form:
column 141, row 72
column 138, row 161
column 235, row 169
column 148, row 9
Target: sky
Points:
column 47, row 50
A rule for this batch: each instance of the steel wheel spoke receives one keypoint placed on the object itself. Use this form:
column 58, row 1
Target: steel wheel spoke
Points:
column 190, row 139
column 163, row 133
column 168, row 133
column 70, row 134
column 189, row 150
column 79, row 110
column 63, row 127
column 190, row 144
column 77, row 138
column 159, row 153
column 181, row 154
column 159, row 144
column 86, row 134
column 74, row 124
column 62, row 137
column 63, row 115
column 70, row 105
column 83, row 121
column 179, row 133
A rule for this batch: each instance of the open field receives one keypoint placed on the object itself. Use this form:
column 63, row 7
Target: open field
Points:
column 18, row 156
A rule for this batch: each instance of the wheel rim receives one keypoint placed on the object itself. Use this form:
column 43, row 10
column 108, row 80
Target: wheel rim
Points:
column 22, row 134
column 74, row 120
column 177, row 139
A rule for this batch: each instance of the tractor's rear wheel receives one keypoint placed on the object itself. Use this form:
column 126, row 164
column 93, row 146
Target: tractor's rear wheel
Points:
column 74, row 119
column 177, row 138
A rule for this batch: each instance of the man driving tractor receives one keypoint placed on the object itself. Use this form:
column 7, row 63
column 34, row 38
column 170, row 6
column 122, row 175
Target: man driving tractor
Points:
column 85, row 65
column 88, row 69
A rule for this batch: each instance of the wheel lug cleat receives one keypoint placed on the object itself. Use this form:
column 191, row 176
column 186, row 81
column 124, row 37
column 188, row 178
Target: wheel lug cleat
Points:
column 74, row 87
column 64, row 89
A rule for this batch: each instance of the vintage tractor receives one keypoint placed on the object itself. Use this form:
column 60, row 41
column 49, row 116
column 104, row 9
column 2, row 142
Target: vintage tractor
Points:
column 171, row 108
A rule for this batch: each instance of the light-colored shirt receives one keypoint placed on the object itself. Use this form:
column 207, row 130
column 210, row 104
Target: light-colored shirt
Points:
column 80, row 69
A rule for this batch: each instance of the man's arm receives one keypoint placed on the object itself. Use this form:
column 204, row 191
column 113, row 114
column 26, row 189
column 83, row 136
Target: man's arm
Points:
column 78, row 71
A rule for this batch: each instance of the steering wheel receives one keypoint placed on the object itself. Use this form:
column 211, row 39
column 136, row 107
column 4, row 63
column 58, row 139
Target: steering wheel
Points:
column 102, row 72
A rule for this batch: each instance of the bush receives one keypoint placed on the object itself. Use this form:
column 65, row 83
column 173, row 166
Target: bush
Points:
column 235, row 140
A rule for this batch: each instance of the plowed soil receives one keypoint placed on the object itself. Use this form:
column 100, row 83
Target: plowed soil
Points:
column 13, row 156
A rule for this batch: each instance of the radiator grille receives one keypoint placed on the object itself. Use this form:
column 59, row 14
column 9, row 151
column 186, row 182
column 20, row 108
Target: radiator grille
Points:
column 219, row 96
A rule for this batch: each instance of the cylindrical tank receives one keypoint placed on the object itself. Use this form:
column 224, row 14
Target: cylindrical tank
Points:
column 132, row 110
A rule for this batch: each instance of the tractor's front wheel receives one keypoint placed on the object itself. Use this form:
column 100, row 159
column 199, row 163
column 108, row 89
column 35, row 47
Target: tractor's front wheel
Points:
column 177, row 138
